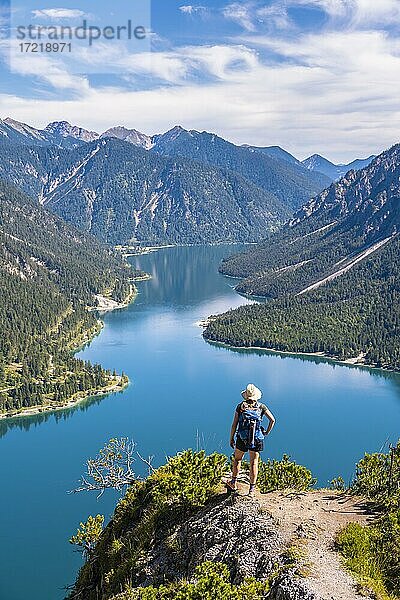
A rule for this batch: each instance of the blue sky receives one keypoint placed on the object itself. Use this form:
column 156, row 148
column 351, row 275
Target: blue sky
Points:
column 308, row 75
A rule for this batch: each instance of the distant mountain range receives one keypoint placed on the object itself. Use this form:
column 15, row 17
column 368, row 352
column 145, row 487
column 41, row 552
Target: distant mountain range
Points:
column 180, row 187
column 332, row 273
column 289, row 181
column 177, row 187
column 59, row 134
column 121, row 193
column 334, row 172
column 62, row 134
column 275, row 152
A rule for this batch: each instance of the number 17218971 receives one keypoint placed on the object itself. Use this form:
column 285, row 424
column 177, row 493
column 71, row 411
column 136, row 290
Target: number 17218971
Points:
column 42, row 47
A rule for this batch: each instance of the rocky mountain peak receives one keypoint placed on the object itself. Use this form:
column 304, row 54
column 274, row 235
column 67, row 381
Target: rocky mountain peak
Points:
column 65, row 129
column 316, row 162
column 23, row 128
column 172, row 134
column 133, row 136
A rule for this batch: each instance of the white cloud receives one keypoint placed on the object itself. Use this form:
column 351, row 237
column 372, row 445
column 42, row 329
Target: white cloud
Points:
column 241, row 14
column 50, row 72
column 356, row 12
column 334, row 91
column 168, row 66
column 333, row 8
column 255, row 15
column 226, row 63
column 44, row 68
column 322, row 99
column 275, row 15
column 178, row 66
column 58, row 13
column 379, row 12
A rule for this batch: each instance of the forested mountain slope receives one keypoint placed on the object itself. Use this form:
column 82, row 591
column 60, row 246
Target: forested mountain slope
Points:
column 177, row 187
column 180, row 186
column 50, row 274
column 332, row 274
column 327, row 234
column 275, row 152
column 288, row 180
column 120, row 192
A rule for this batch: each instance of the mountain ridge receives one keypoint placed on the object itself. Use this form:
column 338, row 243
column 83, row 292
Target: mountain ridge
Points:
column 316, row 162
column 289, row 181
column 363, row 204
column 178, row 187
column 63, row 130
column 330, row 275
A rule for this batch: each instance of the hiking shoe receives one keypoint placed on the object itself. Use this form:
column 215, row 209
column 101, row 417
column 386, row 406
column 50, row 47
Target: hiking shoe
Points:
column 252, row 493
column 231, row 487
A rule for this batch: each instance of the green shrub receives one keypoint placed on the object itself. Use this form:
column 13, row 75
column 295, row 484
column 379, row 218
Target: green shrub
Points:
column 355, row 544
column 88, row 535
column 378, row 478
column 189, row 478
column 211, row 582
column 386, row 549
column 338, row 484
column 373, row 553
column 367, row 554
column 283, row 474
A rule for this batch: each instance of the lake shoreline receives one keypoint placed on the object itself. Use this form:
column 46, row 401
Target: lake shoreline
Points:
column 127, row 251
column 107, row 304
column 350, row 362
column 117, row 382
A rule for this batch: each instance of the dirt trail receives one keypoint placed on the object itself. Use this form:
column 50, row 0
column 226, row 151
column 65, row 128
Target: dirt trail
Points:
column 310, row 522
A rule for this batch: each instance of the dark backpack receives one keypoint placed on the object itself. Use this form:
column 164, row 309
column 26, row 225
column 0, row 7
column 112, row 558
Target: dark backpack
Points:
column 249, row 428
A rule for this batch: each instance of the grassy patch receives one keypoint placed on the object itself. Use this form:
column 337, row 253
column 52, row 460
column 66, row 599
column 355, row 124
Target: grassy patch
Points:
column 357, row 545
column 373, row 553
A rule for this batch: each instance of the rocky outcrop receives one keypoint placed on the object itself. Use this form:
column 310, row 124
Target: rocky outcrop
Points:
column 234, row 531
column 289, row 587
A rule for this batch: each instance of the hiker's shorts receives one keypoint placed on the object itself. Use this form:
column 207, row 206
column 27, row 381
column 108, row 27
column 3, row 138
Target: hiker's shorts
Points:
column 243, row 447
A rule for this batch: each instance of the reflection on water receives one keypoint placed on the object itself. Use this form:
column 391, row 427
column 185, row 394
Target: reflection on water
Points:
column 309, row 358
column 186, row 274
column 25, row 423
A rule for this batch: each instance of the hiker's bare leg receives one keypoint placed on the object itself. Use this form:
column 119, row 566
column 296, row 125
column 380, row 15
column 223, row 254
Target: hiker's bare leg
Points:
column 254, row 456
column 237, row 460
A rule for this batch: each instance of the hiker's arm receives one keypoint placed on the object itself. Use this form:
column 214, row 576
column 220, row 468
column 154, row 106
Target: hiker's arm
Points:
column 271, row 419
column 233, row 429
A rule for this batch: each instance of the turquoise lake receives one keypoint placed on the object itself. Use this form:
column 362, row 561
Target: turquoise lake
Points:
column 183, row 391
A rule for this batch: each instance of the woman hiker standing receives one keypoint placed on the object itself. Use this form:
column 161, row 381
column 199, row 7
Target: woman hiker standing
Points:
column 250, row 434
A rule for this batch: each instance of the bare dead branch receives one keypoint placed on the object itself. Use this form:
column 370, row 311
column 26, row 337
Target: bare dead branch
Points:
column 147, row 462
column 113, row 467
